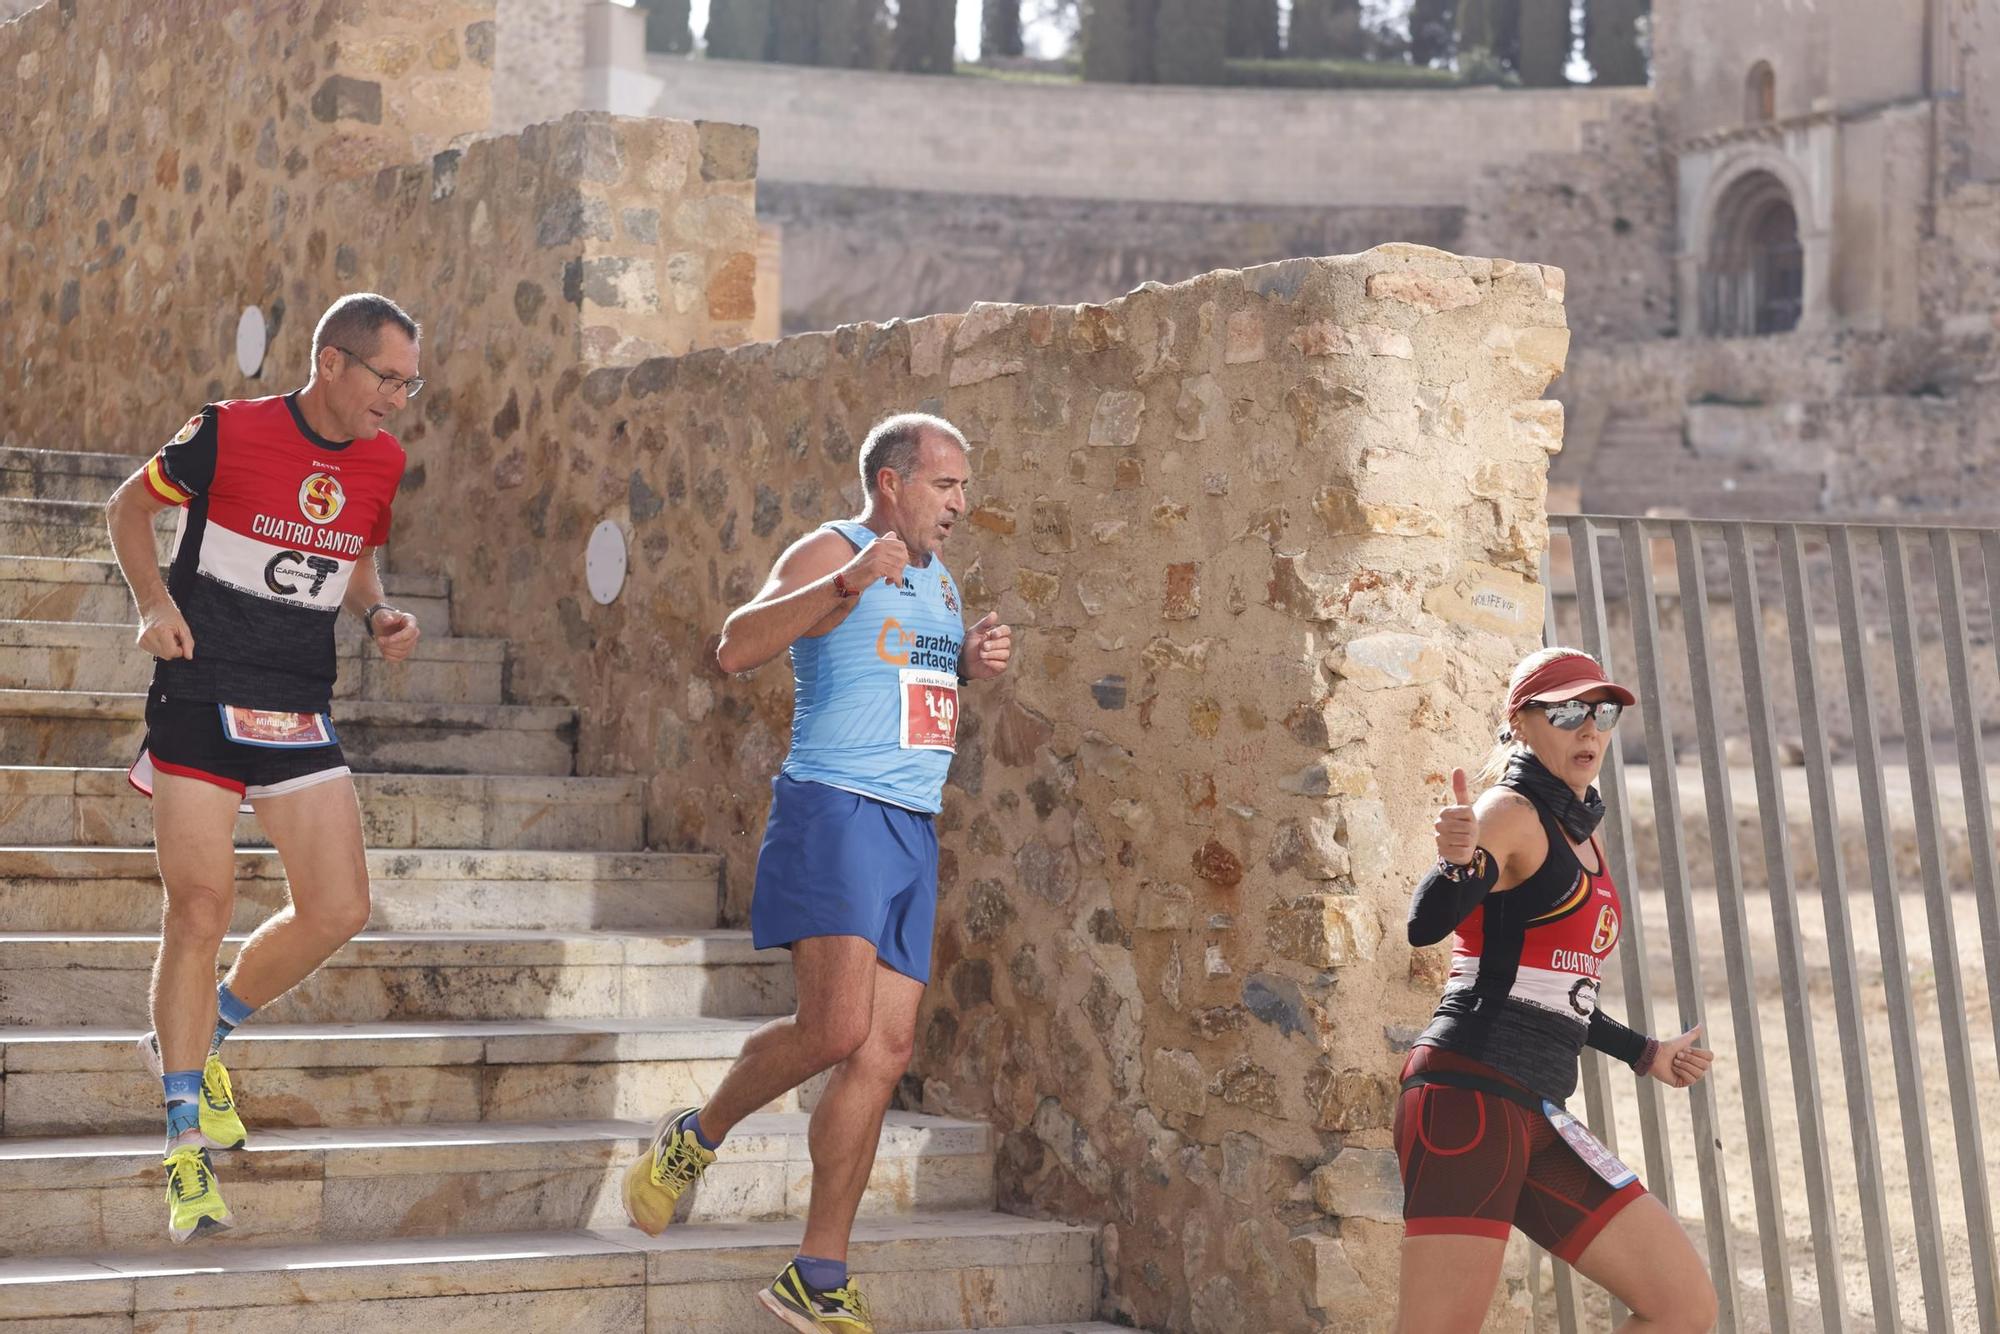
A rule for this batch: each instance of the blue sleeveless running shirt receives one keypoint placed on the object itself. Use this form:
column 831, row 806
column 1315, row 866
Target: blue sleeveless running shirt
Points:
column 875, row 699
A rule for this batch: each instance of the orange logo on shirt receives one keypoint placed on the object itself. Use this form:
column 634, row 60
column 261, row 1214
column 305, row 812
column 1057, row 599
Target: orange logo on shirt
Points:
column 320, row 498
column 904, row 639
column 1606, row 934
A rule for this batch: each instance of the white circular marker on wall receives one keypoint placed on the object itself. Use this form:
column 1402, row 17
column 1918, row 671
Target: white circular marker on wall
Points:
column 250, row 341
column 604, row 562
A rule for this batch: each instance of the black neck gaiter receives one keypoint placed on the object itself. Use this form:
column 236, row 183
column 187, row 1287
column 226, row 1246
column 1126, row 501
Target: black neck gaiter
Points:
column 1531, row 778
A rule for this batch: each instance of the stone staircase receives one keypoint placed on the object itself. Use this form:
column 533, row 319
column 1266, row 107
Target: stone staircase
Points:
column 440, row 1116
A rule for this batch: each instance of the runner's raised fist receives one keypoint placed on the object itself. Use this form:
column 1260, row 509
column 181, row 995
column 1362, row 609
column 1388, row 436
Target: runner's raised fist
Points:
column 883, row 559
column 164, row 632
column 1457, row 825
column 988, row 647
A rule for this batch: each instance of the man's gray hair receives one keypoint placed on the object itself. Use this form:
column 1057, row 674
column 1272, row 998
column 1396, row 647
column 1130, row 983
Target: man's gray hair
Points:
column 895, row 441
column 354, row 323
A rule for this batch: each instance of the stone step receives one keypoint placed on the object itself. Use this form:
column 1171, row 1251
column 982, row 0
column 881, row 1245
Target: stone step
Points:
column 47, row 588
column 333, row 1184
column 48, row 805
column 57, row 474
column 66, row 977
column 118, row 889
column 72, row 727
column 87, row 1081
column 71, row 528
column 929, row 1271
column 70, row 655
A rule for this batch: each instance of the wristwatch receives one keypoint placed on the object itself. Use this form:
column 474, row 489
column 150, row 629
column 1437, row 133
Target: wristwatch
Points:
column 368, row 617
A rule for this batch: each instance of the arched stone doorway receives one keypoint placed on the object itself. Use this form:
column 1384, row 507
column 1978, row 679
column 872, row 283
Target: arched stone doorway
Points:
column 1756, row 271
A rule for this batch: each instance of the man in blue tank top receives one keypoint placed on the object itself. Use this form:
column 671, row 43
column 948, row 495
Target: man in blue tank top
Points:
column 847, row 877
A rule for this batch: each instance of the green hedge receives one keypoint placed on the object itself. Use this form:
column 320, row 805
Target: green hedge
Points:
column 1335, row 74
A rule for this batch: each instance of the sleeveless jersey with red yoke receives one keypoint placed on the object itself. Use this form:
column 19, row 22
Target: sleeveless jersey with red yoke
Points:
column 274, row 518
column 1525, row 970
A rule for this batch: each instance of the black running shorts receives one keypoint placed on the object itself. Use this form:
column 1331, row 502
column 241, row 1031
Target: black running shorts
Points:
column 185, row 738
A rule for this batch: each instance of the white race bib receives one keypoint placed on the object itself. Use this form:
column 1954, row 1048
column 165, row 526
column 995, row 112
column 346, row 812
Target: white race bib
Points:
column 268, row 727
column 1589, row 1148
column 929, row 709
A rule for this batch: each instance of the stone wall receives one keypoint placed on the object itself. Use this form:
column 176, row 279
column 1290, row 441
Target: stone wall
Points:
column 848, row 249
column 1267, row 539
column 1604, row 214
column 1127, row 142
column 137, row 226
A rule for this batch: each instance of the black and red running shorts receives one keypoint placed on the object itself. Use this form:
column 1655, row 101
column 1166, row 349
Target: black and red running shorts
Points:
column 185, row 738
column 1475, row 1164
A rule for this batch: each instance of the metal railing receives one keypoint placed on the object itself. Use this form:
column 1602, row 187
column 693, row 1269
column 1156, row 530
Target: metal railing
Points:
column 1832, row 1169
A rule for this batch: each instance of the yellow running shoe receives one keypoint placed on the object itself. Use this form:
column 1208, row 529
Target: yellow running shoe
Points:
column 194, row 1200
column 674, row 1161
column 808, row 1310
column 220, row 1124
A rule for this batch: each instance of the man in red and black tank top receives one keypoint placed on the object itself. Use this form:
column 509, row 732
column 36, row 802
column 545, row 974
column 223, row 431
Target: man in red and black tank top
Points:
column 1483, row 1139
column 283, row 501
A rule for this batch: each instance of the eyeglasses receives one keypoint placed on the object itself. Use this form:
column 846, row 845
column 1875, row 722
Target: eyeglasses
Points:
column 390, row 385
column 1569, row 715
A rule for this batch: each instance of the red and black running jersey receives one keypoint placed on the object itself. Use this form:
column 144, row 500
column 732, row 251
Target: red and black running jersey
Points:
column 275, row 517
column 1525, row 969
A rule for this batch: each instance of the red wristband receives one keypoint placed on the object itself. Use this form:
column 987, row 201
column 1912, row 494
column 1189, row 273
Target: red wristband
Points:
column 1647, row 1057
column 840, row 587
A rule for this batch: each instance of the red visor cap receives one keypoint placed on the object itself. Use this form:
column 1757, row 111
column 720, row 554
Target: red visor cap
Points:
column 1567, row 677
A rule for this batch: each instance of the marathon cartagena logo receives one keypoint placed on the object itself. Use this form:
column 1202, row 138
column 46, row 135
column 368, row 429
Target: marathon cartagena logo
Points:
column 320, row 498
column 906, row 648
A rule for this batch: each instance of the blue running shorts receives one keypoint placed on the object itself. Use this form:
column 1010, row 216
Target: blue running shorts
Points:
column 836, row 863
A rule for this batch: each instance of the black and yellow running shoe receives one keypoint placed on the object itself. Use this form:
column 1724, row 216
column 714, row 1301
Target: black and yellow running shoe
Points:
column 808, row 1309
column 673, row 1161
column 221, row 1125
column 194, row 1200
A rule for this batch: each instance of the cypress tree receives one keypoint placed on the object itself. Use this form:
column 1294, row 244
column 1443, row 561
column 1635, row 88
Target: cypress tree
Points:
column 1545, row 43
column 926, row 36
column 1253, row 30
column 1190, row 38
column 1000, row 28
column 739, row 29
column 1611, row 40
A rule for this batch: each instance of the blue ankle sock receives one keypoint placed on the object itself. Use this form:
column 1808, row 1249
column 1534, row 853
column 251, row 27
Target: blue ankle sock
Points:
column 694, row 1124
column 824, row 1275
column 230, row 1010
column 183, row 1094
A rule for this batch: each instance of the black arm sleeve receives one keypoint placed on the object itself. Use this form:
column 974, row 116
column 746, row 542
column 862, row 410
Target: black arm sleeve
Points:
column 1440, row 904
column 1614, row 1039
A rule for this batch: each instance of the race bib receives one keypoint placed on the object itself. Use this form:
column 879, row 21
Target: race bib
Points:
column 930, row 709
column 1595, row 1156
column 267, row 727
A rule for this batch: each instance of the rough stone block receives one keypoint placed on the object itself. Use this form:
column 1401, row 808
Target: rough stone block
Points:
column 1360, row 1183
column 1115, row 422
column 341, row 97
column 1390, row 660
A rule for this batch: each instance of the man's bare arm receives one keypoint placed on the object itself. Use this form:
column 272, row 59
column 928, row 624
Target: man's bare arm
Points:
column 129, row 516
column 801, row 593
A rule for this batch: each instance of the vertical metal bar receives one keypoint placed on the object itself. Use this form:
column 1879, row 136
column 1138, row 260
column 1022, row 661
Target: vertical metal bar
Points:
column 1618, row 842
column 1785, row 922
column 1989, row 550
column 1855, row 1058
column 1889, row 936
column 1598, row 1113
column 1680, row 907
column 1944, row 935
column 1749, row 1054
column 1971, row 758
column 1569, row 1316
